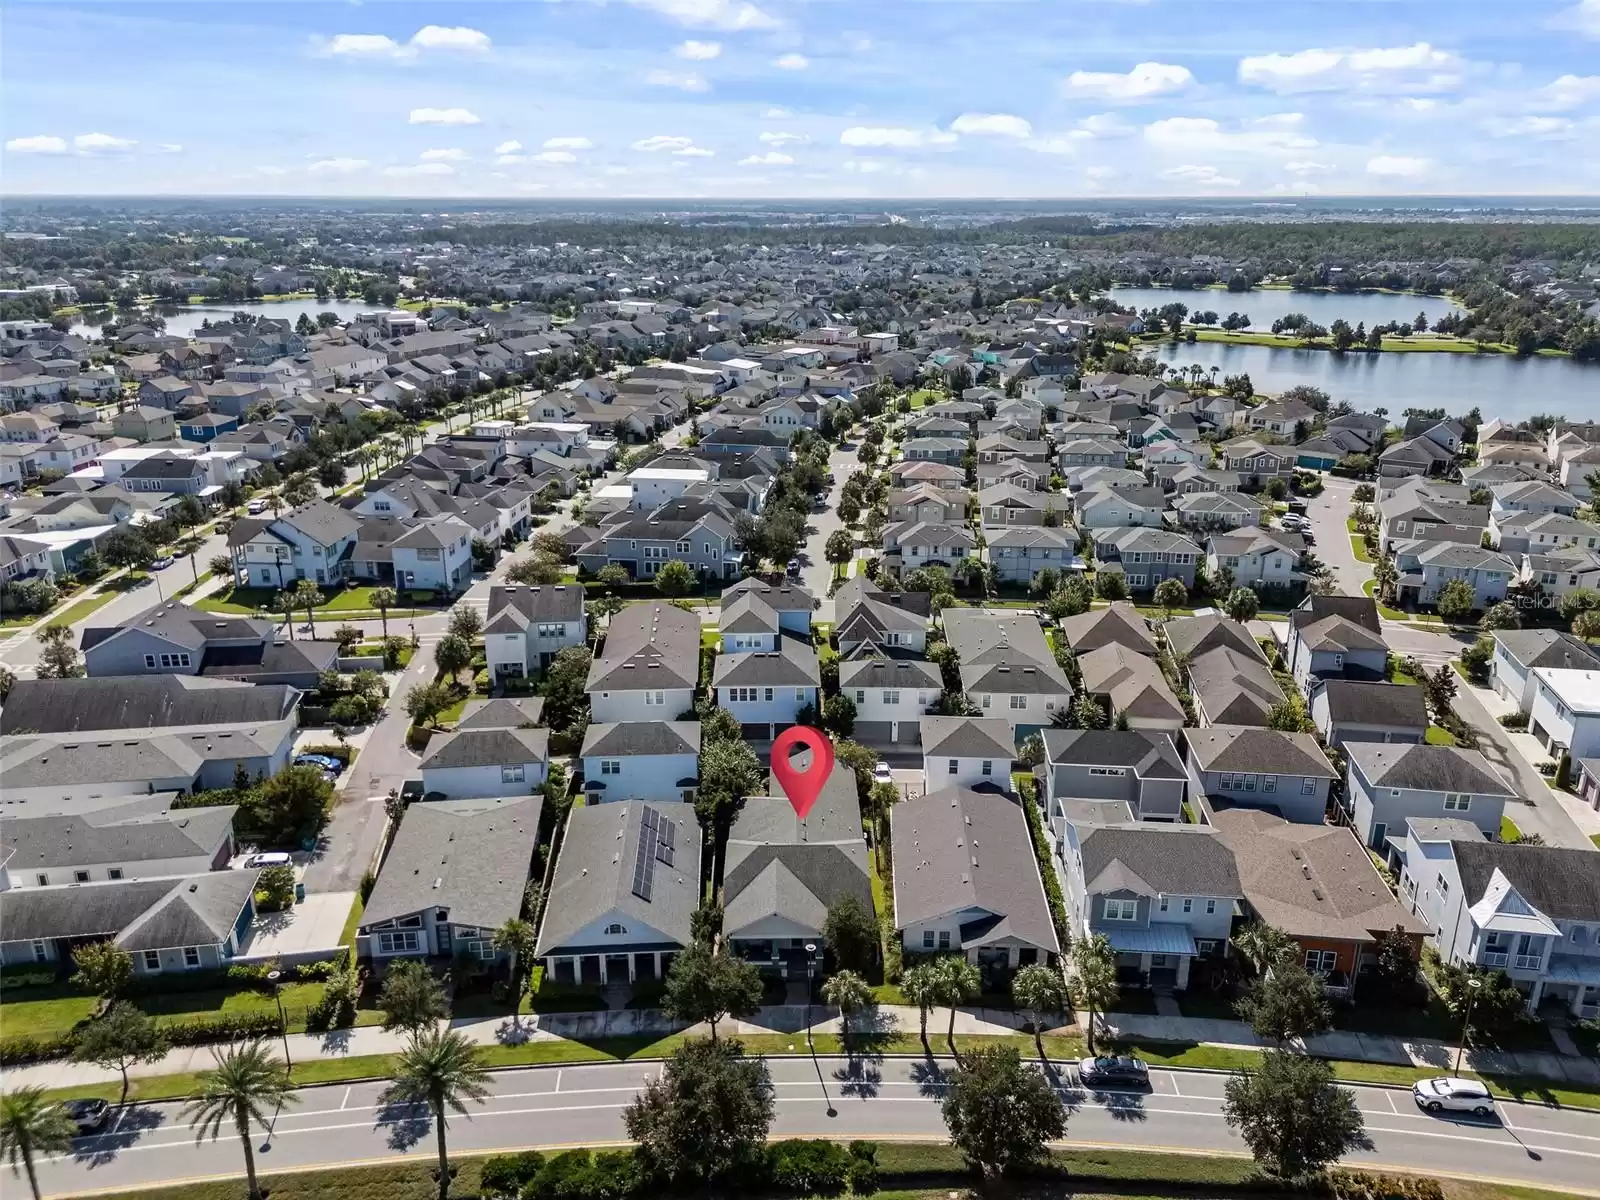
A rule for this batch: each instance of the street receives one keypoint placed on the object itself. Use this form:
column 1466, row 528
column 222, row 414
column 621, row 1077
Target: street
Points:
column 828, row 1097
column 1329, row 514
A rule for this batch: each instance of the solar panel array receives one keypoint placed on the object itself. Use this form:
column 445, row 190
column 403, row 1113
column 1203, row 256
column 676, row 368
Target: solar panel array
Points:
column 657, row 843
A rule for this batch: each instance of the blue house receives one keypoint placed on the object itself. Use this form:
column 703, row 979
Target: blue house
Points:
column 207, row 426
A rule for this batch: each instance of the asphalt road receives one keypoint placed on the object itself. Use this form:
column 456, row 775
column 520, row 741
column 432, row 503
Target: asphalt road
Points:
column 1328, row 514
column 886, row 1099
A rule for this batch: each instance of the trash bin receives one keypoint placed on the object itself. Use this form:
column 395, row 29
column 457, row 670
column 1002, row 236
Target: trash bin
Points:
column 299, row 893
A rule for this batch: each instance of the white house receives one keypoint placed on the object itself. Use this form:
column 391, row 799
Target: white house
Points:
column 649, row 666
column 656, row 761
column 1518, row 651
column 526, row 626
column 1565, row 715
column 967, row 752
column 473, row 763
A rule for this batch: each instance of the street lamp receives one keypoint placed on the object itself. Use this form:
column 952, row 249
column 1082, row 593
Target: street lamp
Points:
column 274, row 978
column 811, row 950
column 1466, row 1025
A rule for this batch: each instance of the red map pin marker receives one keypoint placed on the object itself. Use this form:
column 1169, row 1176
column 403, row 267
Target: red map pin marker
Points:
column 802, row 787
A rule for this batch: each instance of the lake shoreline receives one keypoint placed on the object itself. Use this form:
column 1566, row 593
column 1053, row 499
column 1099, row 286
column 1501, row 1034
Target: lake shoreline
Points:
column 1446, row 294
column 1278, row 341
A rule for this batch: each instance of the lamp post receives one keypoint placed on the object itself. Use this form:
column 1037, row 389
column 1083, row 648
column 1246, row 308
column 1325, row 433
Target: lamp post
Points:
column 1466, row 1025
column 811, row 950
column 275, row 978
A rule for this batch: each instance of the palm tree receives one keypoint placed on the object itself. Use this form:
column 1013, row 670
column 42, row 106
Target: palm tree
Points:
column 308, row 595
column 29, row 1125
column 849, row 993
column 516, row 939
column 439, row 1068
column 959, row 980
column 1039, row 989
column 383, row 599
column 245, row 1080
column 285, row 602
column 921, row 985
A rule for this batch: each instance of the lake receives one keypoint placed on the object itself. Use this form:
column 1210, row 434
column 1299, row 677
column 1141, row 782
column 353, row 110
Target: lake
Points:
column 183, row 320
column 1266, row 305
column 1499, row 385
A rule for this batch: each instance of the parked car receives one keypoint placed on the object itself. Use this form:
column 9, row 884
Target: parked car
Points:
column 1447, row 1093
column 88, row 1115
column 1120, row 1068
column 162, row 563
column 256, row 507
column 881, row 772
column 794, row 566
column 272, row 858
column 326, row 761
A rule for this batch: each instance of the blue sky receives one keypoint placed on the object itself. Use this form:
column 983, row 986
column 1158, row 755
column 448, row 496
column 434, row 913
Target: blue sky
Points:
column 780, row 98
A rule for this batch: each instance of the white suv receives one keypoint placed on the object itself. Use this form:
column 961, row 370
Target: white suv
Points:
column 1456, row 1095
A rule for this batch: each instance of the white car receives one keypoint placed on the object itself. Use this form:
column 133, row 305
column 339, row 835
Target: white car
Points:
column 271, row 858
column 881, row 773
column 256, row 507
column 1447, row 1093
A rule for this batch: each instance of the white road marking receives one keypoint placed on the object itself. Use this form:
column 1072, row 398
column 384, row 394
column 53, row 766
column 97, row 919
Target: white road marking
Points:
column 1176, row 1090
column 558, row 1078
column 1392, row 1107
column 346, row 1099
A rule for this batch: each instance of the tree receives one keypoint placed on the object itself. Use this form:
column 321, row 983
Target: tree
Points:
column 840, row 547
column 301, row 489
column 516, row 939
column 1242, row 604
column 243, row 1085
column 8, row 680
column 1087, row 713
column 1455, row 600
column 103, row 969
column 308, row 595
column 348, row 637
column 536, row 570
column 221, row 566
column 120, row 1038
column 293, row 803
column 707, row 1114
column 674, row 579
column 729, row 771
column 1394, row 969
column 1001, row 1115
column 425, row 701
column 1289, row 716
column 452, row 655
column 411, row 997
column 59, row 658
column 126, row 546
column 1093, row 979
column 1287, row 1002
column 849, row 993
column 851, row 932
column 704, row 985
column 1039, row 989
column 1290, row 1113
column 1265, row 945
column 1441, row 687
column 1504, row 615
column 839, row 715
column 1586, row 624
column 30, row 1125
column 442, row 1069
column 466, row 621
column 612, row 575
column 922, row 986
column 1171, row 594
column 959, row 981
column 283, row 601
column 566, row 703
column 1110, row 585
column 1496, row 1003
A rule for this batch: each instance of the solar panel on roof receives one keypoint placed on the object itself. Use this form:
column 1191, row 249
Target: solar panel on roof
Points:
column 665, row 850
column 644, row 862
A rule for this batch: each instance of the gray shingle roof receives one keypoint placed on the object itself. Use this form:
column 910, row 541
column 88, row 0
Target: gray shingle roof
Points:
column 140, row 915
column 144, row 829
column 1151, row 754
column 648, row 646
column 967, row 737
column 1121, row 624
column 1190, row 637
column 140, row 702
column 793, row 664
column 1563, row 884
column 200, row 911
column 513, row 608
column 1259, row 751
column 1359, row 702
column 470, row 856
column 1548, row 648
column 1184, row 860
column 624, row 739
column 504, row 712
column 1426, row 768
column 488, row 748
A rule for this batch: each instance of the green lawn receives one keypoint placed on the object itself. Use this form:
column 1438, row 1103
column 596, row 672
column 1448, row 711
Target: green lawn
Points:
column 346, row 602
column 1509, row 831
column 56, row 1010
column 1358, row 547
column 1438, row 735
column 84, row 607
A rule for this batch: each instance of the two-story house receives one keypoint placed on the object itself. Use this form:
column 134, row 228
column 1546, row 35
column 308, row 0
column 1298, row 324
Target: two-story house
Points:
column 1565, row 714
column 865, row 614
column 1518, row 651
column 1256, row 461
column 1111, row 508
column 1358, row 710
column 1426, row 567
column 525, row 626
column 1212, row 510
column 1147, row 556
column 314, row 541
column 891, row 696
column 1239, row 766
column 1020, row 552
column 1336, row 636
column 480, row 762
column 766, row 690
column 968, row 752
column 656, row 761
column 1257, row 558
column 649, row 666
column 1007, row 668
column 1140, row 769
column 1387, row 785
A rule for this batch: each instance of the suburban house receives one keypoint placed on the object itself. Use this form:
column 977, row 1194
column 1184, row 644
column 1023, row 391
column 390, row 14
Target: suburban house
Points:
column 1019, row 552
column 967, row 752
column 314, row 541
column 1229, row 680
column 1111, row 508
column 1565, row 715
column 1530, row 911
column 1163, row 895
column 1139, row 769
column 1336, row 636
column 1317, row 884
column 626, row 887
column 123, row 838
column 648, row 667
column 1131, row 686
column 1425, row 568
column 180, row 640
column 782, row 873
column 866, row 615
column 766, row 690
column 1007, row 668
column 891, row 695
column 454, row 874
column 1119, row 624
column 1205, row 511
column 528, row 625
column 1386, row 786
column 966, row 881
column 1256, row 462
column 1257, row 558
column 1146, row 557
column 656, row 761
column 1517, row 652
column 1237, row 766
column 1358, row 710
column 472, row 763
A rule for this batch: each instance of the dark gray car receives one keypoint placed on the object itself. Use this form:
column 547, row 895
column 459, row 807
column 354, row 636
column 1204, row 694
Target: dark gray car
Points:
column 1109, row 1069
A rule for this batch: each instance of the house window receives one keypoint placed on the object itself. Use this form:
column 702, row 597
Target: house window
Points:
column 944, row 939
column 1211, row 907
column 1225, row 781
column 1444, row 888
column 512, row 773
column 1321, row 962
column 891, row 696
column 767, row 694
column 655, row 699
column 150, row 661
column 1121, row 910
column 799, row 695
column 988, row 766
column 1269, row 783
column 152, row 960
column 954, row 767
column 80, row 877
column 1164, row 904
column 44, row 880
column 611, row 766
column 613, row 929
column 1456, row 802
column 41, row 952
column 1188, row 904
column 401, row 941
column 1308, row 787
column 1108, row 771
column 861, row 696
column 927, row 939
column 986, row 698
column 1019, row 702
column 191, row 957
column 114, row 873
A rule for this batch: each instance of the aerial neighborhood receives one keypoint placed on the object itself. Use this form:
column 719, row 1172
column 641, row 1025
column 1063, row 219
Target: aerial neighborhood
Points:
column 452, row 636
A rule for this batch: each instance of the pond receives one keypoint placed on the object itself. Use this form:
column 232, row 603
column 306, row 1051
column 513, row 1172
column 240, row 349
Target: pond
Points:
column 183, row 320
column 1266, row 305
column 1498, row 384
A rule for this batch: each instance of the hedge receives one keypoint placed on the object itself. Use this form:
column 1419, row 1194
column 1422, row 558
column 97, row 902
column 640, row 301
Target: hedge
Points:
column 26, row 975
column 194, row 1031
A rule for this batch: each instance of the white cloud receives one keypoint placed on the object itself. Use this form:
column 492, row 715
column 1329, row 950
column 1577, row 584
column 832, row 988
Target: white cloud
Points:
column 1419, row 104
column 1385, row 68
column 1583, row 17
column 450, row 154
column 662, row 142
column 1200, row 176
column 1145, row 81
column 997, row 124
column 1569, row 91
column 338, row 166
column 420, row 170
column 556, row 156
column 443, row 116
column 568, row 143
column 169, row 148
column 783, row 139
column 901, row 138
column 1055, row 145
column 510, row 147
column 507, row 160
column 791, row 62
column 1398, row 166
column 694, row 152
column 866, row 166
column 43, row 144
column 777, row 114
column 698, row 51
column 689, row 82
column 1198, row 134
column 93, row 143
column 772, row 158
column 711, row 14
column 1104, row 125
column 1544, row 129
column 1306, row 167
column 451, row 37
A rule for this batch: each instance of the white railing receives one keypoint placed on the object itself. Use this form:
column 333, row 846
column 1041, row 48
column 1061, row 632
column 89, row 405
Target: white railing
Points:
column 1529, row 962
column 1495, row 958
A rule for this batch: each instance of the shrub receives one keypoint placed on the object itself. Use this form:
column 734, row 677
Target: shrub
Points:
column 332, row 750
column 507, row 1174
column 227, row 1027
column 26, row 976
column 582, row 1175
column 807, row 1168
column 1514, row 720
column 32, row 1048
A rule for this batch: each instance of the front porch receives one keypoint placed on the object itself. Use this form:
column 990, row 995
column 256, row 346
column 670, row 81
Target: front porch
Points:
column 1159, row 955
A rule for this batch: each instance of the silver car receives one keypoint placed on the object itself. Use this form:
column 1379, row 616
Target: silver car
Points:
column 1446, row 1093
